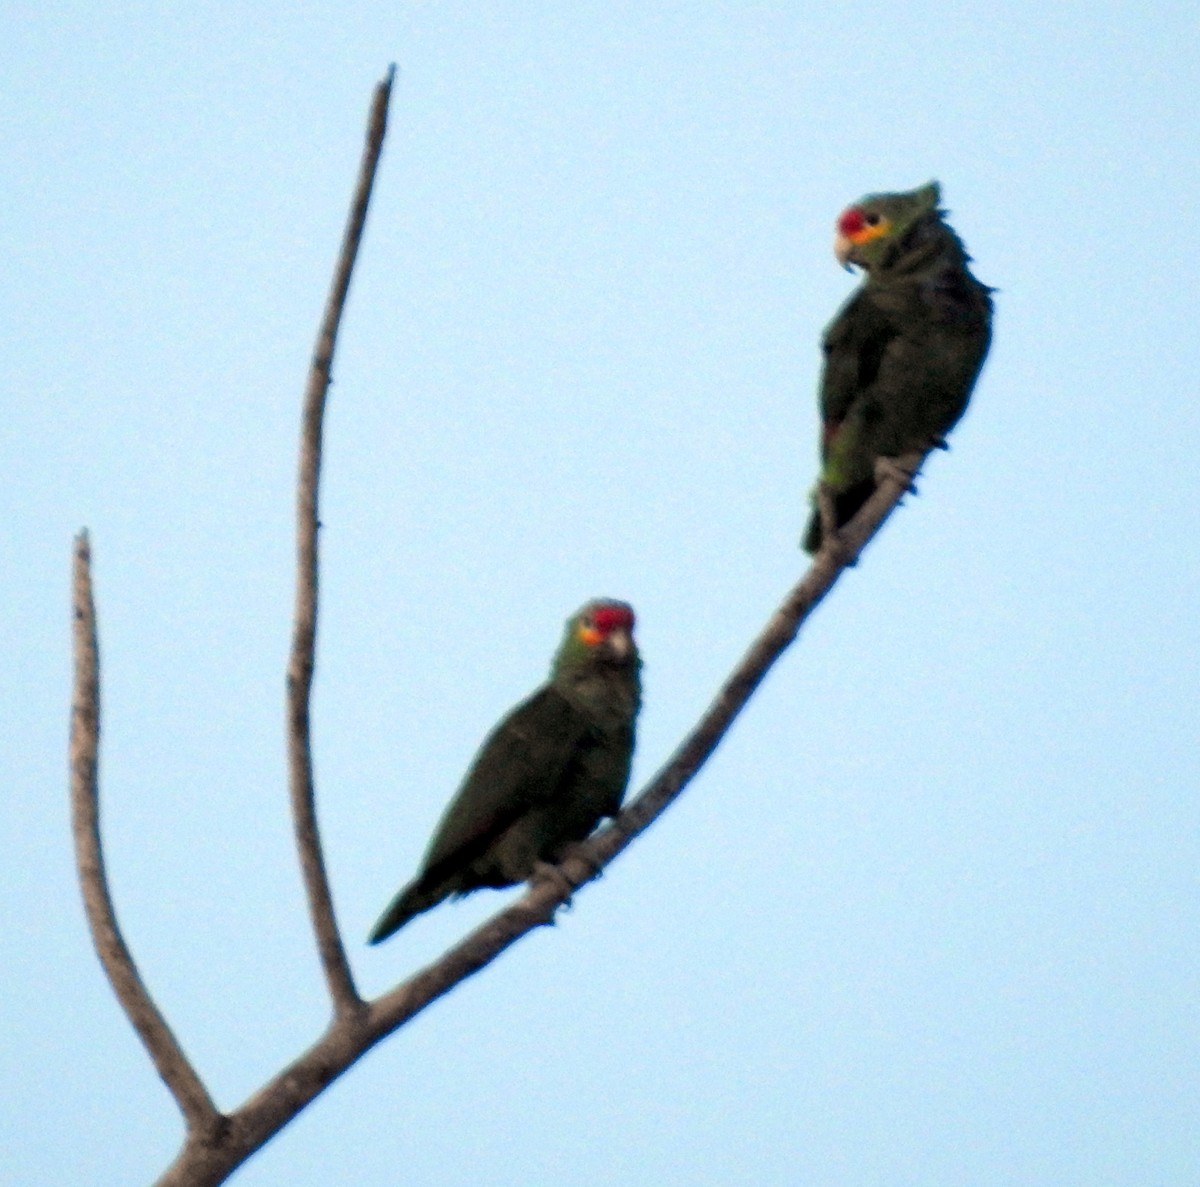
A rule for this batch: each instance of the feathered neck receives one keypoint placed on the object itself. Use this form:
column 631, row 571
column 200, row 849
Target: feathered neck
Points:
column 927, row 240
column 609, row 692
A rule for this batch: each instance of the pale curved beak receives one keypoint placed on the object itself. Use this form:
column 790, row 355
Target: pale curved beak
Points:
column 620, row 643
column 843, row 245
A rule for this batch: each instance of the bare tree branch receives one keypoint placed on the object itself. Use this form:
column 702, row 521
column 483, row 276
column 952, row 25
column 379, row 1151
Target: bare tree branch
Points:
column 173, row 1066
column 537, row 907
column 839, row 552
column 205, row 1164
column 300, row 666
column 216, row 1144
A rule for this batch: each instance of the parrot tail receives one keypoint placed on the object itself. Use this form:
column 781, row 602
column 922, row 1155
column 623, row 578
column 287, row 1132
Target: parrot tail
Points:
column 412, row 900
column 846, row 505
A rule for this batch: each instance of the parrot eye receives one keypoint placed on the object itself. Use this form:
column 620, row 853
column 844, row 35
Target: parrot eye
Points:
column 872, row 220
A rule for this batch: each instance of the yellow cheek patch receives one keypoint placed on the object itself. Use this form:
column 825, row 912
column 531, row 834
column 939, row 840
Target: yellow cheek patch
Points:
column 590, row 635
column 868, row 233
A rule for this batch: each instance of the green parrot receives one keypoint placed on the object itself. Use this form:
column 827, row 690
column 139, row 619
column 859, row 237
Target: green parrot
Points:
column 545, row 776
column 903, row 353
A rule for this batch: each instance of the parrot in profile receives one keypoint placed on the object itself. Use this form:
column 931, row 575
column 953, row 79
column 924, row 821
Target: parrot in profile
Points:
column 545, row 776
column 904, row 352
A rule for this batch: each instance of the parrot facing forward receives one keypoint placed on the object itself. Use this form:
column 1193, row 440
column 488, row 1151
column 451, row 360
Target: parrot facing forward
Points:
column 545, row 776
column 903, row 353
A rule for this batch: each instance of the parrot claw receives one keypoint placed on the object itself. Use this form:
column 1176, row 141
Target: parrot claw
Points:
column 939, row 443
column 544, row 871
column 579, row 850
column 888, row 469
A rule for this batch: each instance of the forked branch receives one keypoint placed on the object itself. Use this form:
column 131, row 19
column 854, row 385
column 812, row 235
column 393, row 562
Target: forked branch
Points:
column 216, row 1144
column 348, row 1039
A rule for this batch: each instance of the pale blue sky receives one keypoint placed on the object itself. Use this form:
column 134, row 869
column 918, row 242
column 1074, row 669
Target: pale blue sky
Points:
column 932, row 914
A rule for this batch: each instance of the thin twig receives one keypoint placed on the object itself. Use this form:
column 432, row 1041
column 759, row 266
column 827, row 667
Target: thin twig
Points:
column 300, row 665
column 177, row 1073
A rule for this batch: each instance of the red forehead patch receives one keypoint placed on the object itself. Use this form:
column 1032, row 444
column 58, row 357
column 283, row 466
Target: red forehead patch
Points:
column 611, row 617
column 851, row 221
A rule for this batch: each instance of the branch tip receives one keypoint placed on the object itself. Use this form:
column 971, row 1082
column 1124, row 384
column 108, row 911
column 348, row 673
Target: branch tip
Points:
column 301, row 663
column 114, row 955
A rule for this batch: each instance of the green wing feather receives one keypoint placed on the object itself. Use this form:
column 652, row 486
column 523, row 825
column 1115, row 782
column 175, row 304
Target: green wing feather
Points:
column 854, row 347
column 521, row 765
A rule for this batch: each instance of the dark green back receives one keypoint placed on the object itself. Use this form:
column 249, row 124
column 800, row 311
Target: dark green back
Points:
column 903, row 354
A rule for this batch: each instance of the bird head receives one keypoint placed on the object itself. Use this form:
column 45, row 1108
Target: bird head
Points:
column 600, row 633
column 869, row 231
